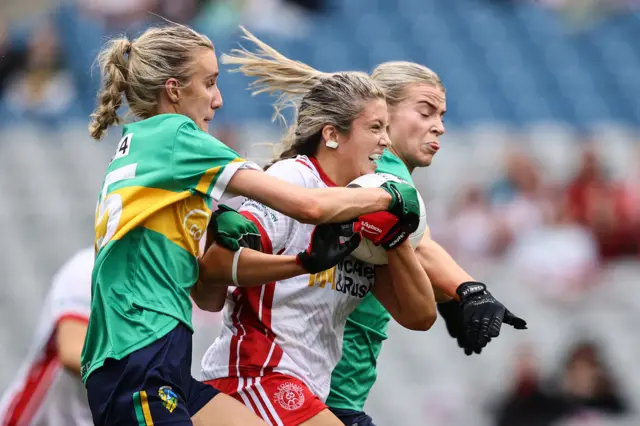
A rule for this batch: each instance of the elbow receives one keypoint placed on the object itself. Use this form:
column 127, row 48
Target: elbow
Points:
column 209, row 306
column 211, row 299
column 420, row 322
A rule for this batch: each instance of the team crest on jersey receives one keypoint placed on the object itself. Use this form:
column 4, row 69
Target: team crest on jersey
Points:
column 168, row 397
column 195, row 222
column 290, row 396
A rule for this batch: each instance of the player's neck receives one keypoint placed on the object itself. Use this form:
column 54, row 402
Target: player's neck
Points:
column 394, row 152
column 331, row 166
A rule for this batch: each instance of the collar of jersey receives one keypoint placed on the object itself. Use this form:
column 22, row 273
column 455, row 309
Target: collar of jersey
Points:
column 325, row 178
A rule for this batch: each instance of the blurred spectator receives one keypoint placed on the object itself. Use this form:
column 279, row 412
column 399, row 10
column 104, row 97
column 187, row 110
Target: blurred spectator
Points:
column 598, row 203
column 519, row 201
column 585, row 388
column 474, row 233
column 117, row 15
column 184, row 11
column 560, row 259
column 631, row 199
column 41, row 89
column 310, row 5
column 12, row 59
column 581, row 14
column 226, row 133
column 277, row 17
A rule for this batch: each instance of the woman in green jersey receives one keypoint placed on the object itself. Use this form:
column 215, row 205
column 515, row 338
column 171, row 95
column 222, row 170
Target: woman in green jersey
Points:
column 417, row 104
column 153, row 206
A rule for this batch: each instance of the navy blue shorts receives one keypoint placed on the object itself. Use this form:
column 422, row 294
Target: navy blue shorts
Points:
column 151, row 386
column 352, row 417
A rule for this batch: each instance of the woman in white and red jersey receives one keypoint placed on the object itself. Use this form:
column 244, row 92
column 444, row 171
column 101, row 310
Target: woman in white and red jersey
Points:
column 48, row 390
column 281, row 340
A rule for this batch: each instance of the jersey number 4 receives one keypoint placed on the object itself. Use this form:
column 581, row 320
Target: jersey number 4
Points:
column 109, row 208
column 123, row 147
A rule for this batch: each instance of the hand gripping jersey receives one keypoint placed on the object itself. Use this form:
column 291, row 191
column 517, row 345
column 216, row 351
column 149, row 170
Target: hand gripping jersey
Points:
column 44, row 393
column 366, row 329
column 295, row 326
column 154, row 206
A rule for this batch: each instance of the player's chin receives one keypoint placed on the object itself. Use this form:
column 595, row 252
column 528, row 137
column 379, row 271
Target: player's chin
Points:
column 368, row 167
column 425, row 159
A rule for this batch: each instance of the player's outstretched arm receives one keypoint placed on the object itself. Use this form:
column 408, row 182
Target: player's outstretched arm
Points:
column 253, row 268
column 404, row 289
column 322, row 205
column 232, row 261
column 473, row 316
column 246, row 267
column 445, row 273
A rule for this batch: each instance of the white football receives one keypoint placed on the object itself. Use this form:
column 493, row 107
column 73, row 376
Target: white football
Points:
column 367, row 251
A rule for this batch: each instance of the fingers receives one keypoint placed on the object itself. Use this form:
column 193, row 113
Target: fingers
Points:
column 495, row 324
column 514, row 321
column 353, row 243
column 347, row 229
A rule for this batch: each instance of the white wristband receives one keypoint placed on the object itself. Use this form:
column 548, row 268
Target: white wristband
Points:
column 234, row 267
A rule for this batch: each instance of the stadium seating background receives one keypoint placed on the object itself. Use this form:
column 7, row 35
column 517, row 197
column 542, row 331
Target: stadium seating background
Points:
column 516, row 75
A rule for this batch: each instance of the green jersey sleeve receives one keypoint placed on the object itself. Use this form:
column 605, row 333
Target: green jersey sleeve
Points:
column 203, row 164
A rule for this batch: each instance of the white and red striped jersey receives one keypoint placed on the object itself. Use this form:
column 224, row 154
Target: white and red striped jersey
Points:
column 295, row 326
column 44, row 393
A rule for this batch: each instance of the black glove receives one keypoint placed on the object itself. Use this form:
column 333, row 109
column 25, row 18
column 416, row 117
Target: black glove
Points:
column 325, row 249
column 483, row 315
column 232, row 230
column 451, row 312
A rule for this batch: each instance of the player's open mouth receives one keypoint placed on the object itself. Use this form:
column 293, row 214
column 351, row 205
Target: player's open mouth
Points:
column 374, row 157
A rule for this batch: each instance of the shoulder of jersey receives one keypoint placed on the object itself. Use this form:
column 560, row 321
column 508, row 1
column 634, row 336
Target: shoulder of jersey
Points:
column 300, row 164
column 169, row 122
column 292, row 164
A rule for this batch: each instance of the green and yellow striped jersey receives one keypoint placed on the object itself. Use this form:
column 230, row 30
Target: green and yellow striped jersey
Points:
column 153, row 209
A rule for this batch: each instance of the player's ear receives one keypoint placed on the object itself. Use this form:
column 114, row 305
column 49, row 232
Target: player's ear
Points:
column 172, row 87
column 329, row 133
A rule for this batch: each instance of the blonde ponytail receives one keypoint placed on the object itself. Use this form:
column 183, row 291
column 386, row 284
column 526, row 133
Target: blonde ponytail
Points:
column 113, row 64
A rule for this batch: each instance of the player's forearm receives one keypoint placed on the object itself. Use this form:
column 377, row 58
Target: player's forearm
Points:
column 341, row 204
column 412, row 287
column 254, row 268
column 445, row 274
column 314, row 206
